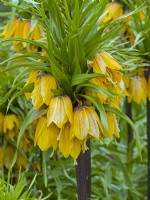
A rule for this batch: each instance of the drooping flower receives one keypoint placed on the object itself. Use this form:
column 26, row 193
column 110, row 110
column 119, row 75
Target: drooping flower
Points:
column 36, row 97
column 65, row 141
column 31, row 79
column 46, row 137
column 48, row 83
column 137, row 89
column 60, row 111
column 9, row 126
column 104, row 63
column 113, row 11
column 76, row 148
column 86, row 123
column 113, row 128
column 10, row 121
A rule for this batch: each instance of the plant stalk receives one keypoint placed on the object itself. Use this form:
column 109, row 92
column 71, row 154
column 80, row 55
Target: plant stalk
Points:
column 148, row 140
column 129, row 114
column 88, row 169
column 83, row 174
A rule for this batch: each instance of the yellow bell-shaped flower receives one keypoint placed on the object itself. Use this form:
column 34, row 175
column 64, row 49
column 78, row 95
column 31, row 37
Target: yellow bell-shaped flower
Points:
column 46, row 137
column 48, row 83
column 113, row 128
column 86, row 122
column 10, row 122
column 60, row 111
column 137, row 89
column 113, row 11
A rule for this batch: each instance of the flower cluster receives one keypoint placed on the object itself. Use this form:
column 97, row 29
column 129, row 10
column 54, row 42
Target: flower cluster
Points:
column 138, row 88
column 68, row 124
column 21, row 28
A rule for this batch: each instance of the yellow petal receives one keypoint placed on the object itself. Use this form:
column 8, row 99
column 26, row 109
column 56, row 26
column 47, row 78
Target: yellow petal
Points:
column 76, row 148
column 59, row 111
column 48, row 83
column 36, row 33
column 80, row 123
column 68, row 108
column 94, row 123
column 36, row 97
column 113, row 11
column 109, row 61
column 65, row 143
column 42, row 123
column 54, row 133
column 98, row 64
column 10, row 121
column 137, row 89
column 12, row 29
column 26, row 31
column 44, row 140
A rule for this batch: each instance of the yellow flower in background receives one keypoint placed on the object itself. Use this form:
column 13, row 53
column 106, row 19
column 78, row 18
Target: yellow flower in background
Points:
column 10, row 31
column 1, row 122
column 137, row 89
column 10, row 122
column 48, row 83
column 86, row 123
column 20, row 28
column 18, row 34
column 113, row 11
column 60, row 111
column 36, row 33
column 9, row 155
column 46, row 137
column 2, row 156
column 21, row 161
column 113, row 128
column 26, row 31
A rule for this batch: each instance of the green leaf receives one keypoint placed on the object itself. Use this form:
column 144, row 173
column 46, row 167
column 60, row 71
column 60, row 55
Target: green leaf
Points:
column 83, row 78
column 32, row 115
column 27, row 41
column 96, row 88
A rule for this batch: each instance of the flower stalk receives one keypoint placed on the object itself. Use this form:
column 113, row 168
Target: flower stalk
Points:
column 148, row 140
